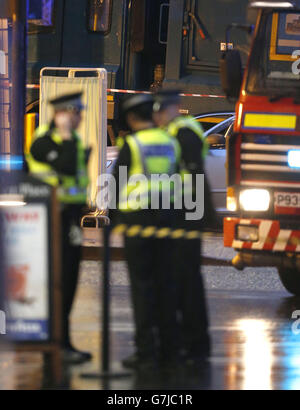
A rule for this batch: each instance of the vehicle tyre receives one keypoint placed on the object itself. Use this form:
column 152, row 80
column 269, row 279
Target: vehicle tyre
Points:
column 290, row 278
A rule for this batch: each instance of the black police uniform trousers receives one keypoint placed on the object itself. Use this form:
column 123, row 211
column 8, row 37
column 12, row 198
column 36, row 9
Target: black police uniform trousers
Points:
column 71, row 255
column 153, row 288
column 191, row 294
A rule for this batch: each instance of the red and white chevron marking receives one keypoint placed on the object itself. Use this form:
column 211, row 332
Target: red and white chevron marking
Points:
column 271, row 237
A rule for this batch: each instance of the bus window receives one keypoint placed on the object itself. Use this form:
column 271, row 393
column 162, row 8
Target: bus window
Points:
column 40, row 15
column 99, row 15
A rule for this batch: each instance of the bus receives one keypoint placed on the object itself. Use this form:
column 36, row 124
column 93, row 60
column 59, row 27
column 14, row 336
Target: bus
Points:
column 143, row 45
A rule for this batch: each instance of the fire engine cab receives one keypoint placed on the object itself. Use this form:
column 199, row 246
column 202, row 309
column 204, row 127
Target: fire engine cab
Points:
column 263, row 153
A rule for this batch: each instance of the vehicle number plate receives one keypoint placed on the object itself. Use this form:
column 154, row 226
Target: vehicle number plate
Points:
column 287, row 200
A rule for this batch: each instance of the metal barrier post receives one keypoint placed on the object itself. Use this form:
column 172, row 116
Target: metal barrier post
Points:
column 105, row 372
column 106, row 303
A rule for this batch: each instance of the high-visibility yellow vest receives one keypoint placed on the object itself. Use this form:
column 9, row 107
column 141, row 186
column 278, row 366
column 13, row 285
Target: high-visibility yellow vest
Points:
column 70, row 189
column 173, row 129
column 153, row 151
column 188, row 122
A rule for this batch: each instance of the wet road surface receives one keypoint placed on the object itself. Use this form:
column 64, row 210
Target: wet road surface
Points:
column 254, row 337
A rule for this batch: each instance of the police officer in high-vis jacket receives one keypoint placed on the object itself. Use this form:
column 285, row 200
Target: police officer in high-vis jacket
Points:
column 192, row 305
column 57, row 157
column 146, row 151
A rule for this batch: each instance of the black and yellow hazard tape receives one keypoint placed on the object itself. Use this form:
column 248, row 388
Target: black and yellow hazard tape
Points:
column 155, row 232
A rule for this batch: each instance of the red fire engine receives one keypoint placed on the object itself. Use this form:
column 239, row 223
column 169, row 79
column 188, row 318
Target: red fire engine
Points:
column 263, row 152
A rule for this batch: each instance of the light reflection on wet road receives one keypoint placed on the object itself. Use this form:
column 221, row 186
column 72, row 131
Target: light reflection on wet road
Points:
column 251, row 326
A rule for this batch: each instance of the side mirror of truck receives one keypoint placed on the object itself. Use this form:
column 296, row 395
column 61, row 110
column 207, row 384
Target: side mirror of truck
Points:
column 231, row 73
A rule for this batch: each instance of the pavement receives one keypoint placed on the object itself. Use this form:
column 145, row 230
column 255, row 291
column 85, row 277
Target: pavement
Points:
column 256, row 341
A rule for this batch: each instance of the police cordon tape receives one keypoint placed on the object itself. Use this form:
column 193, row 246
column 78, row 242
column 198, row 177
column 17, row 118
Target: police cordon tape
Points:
column 115, row 90
column 132, row 231
column 120, row 91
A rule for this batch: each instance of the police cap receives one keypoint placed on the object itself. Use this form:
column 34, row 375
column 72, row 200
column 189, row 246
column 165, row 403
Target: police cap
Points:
column 164, row 98
column 134, row 101
column 68, row 102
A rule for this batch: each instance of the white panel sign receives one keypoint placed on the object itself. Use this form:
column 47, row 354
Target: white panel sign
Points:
column 26, row 241
column 93, row 128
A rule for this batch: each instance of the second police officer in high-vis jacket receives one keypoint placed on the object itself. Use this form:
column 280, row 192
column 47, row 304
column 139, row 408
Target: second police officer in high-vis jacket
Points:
column 187, row 260
column 57, row 157
column 148, row 151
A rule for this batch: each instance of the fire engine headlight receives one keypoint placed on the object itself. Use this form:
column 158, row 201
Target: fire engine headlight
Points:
column 294, row 158
column 255, row 199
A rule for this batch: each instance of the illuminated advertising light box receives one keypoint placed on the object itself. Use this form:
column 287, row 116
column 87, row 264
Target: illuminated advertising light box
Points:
column 27, row 220
column 26, row 241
